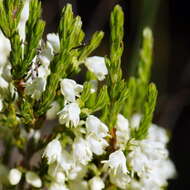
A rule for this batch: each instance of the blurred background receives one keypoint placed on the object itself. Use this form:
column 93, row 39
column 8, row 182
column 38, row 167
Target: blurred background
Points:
column 170, row 21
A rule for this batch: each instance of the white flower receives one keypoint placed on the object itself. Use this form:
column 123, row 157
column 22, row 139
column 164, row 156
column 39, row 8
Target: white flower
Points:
column 33, row 179
column 3, row 83
column 122, row 131
column 23, row 18
column 53, row 151
column 158, row 134
column 120, row 179
column 35, row 88
column 161, row 171
column 52, row 112
column 14, row 176
column 43, row 72
column 57, row 186
column 97, row 66
column 70, row 115
column 66, row 161
column 95, row 126
column 81, row 151
column 138, row 162
column 57, row 173
column 97, row 145
column 5, row 48
column 46, row 55
column 168, row 169
column 70, row 89
column 153, row 150
column 6, row 72
column 96, row 183
column 53, row 39
column 117, row 160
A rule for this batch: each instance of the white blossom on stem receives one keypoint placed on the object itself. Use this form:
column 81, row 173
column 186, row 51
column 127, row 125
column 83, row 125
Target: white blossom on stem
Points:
column 122, row 131
column 117, row 160
column 70, row 89
column 97, row 66
column 53, row 39
column 95, row 126
column 14, row 176
column 70, row 115
column 96, row 183
column 97, row 145
column 81, row 151
column 53, row 151
column 35, row 88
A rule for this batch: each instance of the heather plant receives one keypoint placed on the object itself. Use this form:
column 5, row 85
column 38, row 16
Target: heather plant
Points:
column 60, row 133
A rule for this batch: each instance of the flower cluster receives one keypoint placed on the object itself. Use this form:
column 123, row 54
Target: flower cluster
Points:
column 69, row 132
column 135, row 164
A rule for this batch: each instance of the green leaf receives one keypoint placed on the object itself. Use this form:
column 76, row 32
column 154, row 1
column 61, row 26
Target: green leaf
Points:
column 102, row 99
column 34, row 32
column 129, row 107
column 149, row 108
column 146, row 57
column 116, row 50
column 93, row 44
column 10, row 11
column 64, row 63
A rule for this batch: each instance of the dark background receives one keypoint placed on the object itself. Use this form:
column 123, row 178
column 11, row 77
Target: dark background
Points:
column 170, row 21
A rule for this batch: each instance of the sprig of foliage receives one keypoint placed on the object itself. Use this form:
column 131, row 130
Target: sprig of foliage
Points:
column 149, row 107
column 68, row 59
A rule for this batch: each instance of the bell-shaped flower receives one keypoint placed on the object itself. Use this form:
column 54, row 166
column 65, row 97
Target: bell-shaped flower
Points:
column 122, row 131
column 70, row 115
column 5, row 48
column 97, row 145
column 46, row 55
column 33, row 179
column 53, row 39
column 14, row 176
column 117, row 160
column 23, row 18
column 120, row 179
column 158, row 134
column 95, row 126
column 66, row 161
column 153, row 150
column 53, row 151
column 138, row 162
column 70, row 89
column 96, row 183
column 81, row 151
column 35, row 88
column 97, row 66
